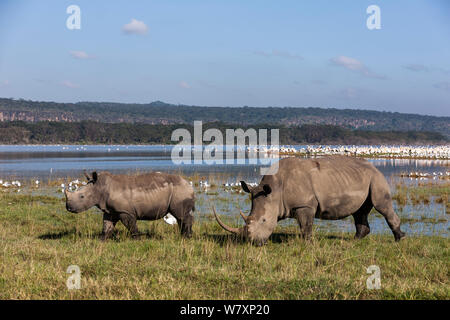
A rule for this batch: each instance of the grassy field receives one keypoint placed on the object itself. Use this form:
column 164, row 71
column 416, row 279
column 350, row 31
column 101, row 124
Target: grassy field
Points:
column 39, row 240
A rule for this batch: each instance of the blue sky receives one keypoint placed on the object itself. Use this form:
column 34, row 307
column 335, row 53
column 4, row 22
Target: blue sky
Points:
column 230, row 53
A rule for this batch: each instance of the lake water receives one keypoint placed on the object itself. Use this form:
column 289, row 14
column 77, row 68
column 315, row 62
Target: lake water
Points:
column 46, row 162
column 51, row 162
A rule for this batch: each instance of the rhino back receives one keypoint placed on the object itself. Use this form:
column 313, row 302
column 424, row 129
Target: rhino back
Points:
column 339, row 184
column 147, row 196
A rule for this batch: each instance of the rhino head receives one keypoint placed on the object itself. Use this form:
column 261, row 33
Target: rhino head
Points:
column 84, row 198
column 263, row 217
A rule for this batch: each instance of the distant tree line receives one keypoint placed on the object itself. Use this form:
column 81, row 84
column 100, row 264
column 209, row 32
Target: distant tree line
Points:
column 164, row 113
column 90, row 132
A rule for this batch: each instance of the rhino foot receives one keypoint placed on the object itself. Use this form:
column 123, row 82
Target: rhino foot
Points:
column 398, row 235
column 361, row 231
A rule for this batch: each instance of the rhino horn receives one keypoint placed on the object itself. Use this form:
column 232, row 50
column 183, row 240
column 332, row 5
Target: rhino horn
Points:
column 223, row 225
column 244, row 216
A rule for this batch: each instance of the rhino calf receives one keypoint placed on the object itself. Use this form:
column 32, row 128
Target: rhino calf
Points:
column 130, row 198
column 327, row 188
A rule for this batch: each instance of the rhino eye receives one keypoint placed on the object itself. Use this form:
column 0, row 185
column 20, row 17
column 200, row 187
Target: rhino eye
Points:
column 82, row 197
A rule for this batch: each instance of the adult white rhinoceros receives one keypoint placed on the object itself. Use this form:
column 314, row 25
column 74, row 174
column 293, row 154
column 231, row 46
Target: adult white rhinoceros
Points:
column 328, row 188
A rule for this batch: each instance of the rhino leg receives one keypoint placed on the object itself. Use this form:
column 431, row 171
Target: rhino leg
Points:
column 361, row 223
column 130, row 223
column 186, row 225
column 305, row 219
column 382, row 201
column 185, row 220
column 392, row 219
column 109, row 223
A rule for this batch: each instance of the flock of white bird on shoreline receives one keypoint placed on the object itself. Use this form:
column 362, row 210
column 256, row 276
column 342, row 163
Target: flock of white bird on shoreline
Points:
column 382, row 151
column 16, row 184
column 205, row 186
column 426, row 175
column 72, row 185
column 423, row 152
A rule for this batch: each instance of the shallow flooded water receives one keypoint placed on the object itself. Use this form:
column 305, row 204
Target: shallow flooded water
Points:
column 217, row 184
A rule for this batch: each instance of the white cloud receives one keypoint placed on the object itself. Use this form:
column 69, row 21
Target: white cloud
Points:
column 4, row 83
column 349, row 63
column 81, row 55
column 355, row 65
column 70, row 84
column 184, row 84
column 278, row 53
column 135, row 27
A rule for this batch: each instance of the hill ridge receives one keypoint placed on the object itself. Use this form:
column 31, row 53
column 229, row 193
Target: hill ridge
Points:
column 157, row 113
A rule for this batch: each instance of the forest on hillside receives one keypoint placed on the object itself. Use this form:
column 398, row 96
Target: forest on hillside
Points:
column 90, row 132
column 163, row 113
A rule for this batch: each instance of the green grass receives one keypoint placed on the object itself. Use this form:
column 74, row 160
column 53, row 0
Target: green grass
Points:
column 40, row 240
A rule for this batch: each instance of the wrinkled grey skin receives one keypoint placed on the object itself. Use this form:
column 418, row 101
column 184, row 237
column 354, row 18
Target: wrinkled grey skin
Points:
column 327, row 188
column 130, row 198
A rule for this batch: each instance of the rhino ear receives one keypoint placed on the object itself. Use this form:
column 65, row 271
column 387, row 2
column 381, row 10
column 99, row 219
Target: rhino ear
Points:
column 267, row 189
column 87, row 176
column 245, row 187
column 94, row 176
